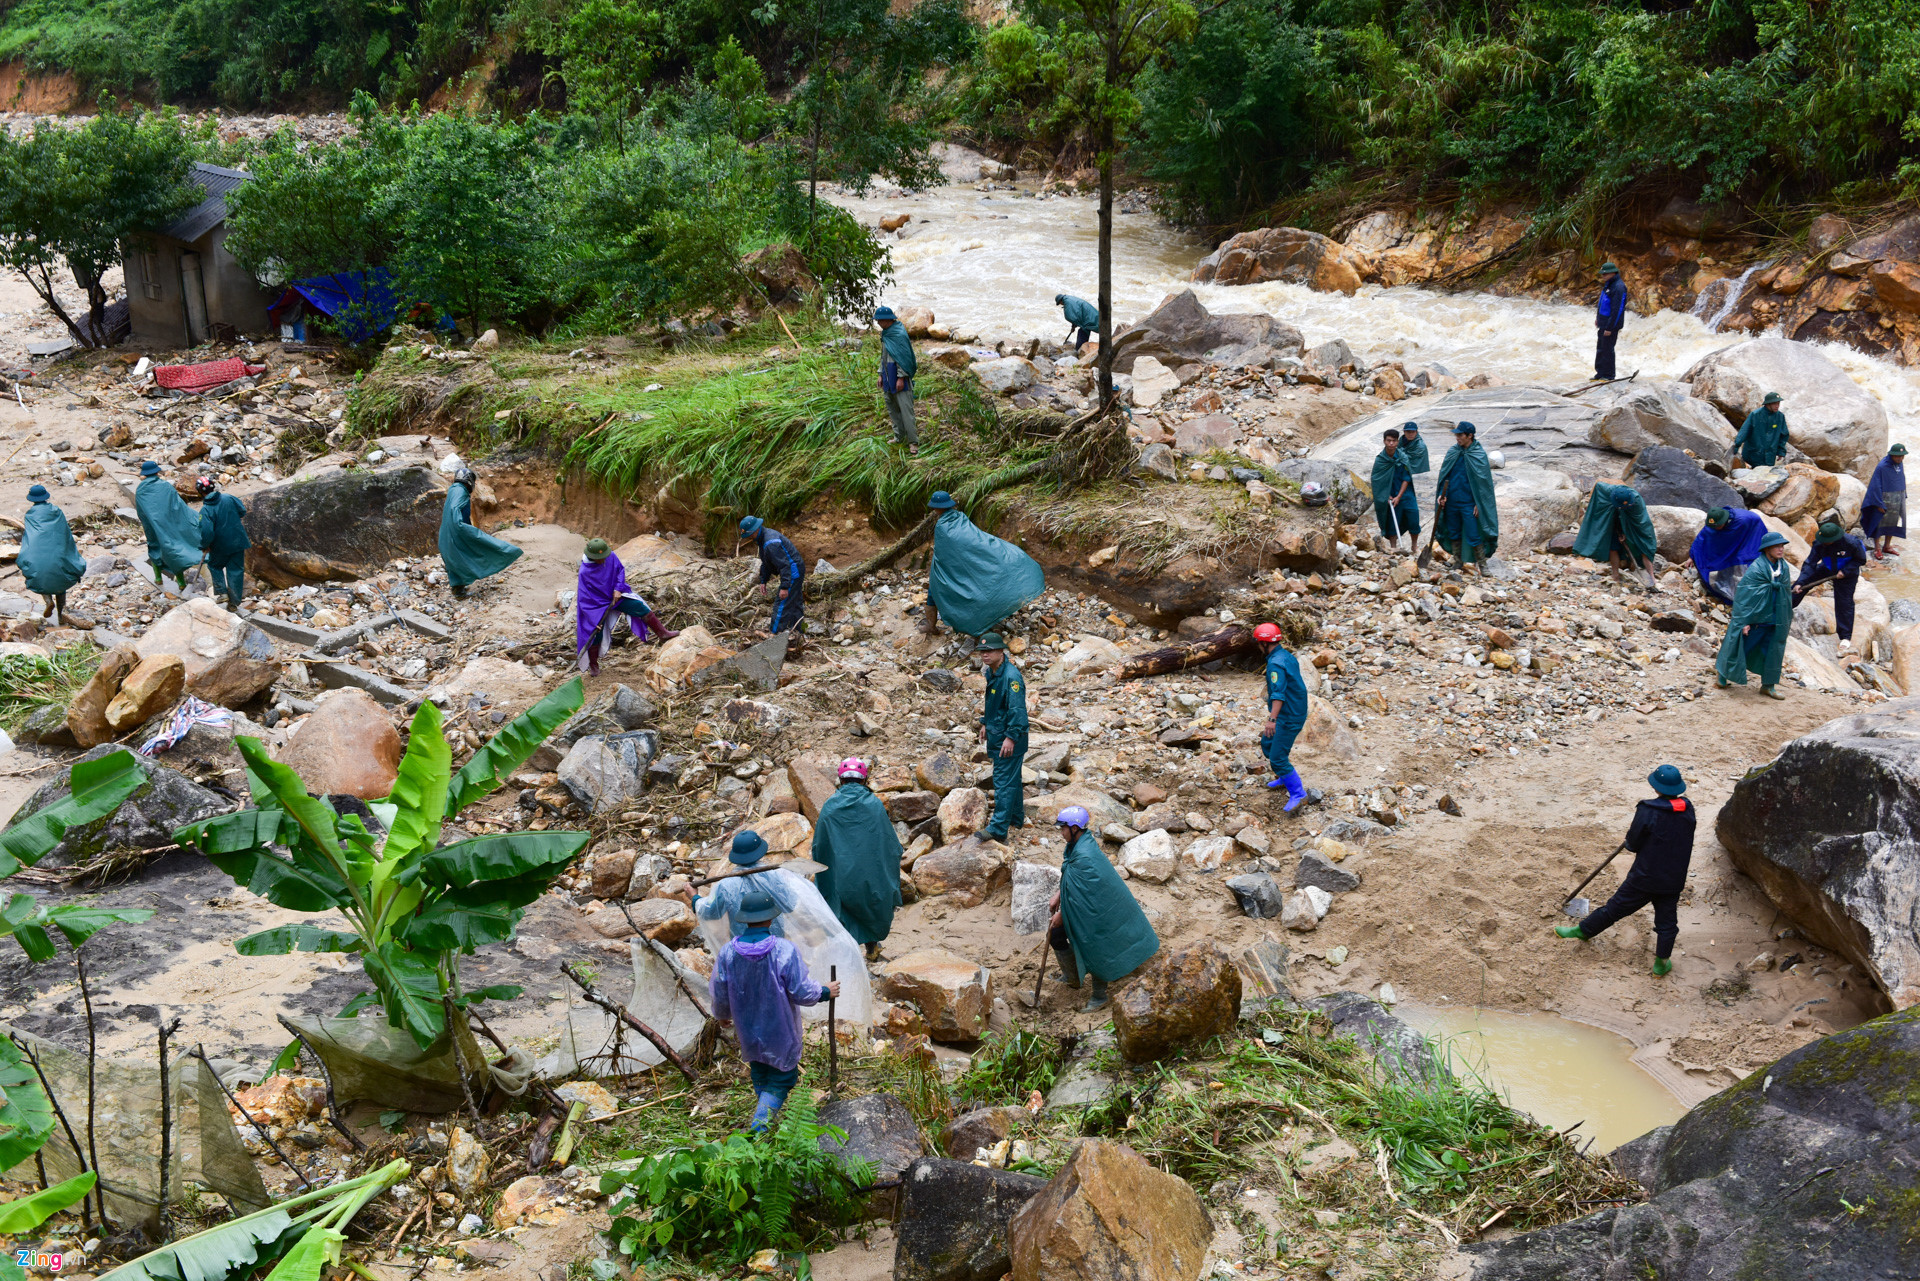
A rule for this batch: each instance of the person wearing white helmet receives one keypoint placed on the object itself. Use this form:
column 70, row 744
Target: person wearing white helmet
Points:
column 1097, row 930
column 1286, row 713
column 855, row 841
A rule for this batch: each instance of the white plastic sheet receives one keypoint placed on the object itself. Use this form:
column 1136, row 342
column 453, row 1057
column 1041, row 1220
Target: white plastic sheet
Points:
column 824, row 944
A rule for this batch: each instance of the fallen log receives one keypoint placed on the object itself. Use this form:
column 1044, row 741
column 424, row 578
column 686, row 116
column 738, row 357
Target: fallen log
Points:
column 1224, row 643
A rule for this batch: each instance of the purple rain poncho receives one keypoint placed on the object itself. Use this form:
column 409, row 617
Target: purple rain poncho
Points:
column 1738, row 544
column 602, row 582
column 760, row 985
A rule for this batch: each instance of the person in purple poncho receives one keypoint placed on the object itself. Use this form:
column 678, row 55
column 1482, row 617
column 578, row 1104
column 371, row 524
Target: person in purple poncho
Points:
column 602, row 598
column 1724, row 547
column 759, row 982
column 1883, row 513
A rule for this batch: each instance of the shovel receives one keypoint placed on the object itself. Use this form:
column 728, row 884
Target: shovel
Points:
column 1578, row 907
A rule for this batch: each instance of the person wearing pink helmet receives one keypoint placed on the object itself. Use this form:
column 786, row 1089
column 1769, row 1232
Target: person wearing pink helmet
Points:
column 855, row 841
column 1097, row 930
column 1286, row 714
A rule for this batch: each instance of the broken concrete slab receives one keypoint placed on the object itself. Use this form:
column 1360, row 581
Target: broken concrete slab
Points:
column 337, row 675
column 759, row 666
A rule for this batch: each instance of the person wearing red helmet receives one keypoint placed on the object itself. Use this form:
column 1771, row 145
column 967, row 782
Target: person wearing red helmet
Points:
column 1097, row 929
column 856, row 842
column 1286, row 713
column 223, row 540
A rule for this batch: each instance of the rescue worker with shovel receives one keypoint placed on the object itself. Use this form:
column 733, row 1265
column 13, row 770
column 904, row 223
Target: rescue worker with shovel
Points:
column 1097, row 929
column 1661, row 838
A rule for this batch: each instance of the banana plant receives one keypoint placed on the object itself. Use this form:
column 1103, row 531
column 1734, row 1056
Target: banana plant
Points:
column 95, row 790
column 411, row 906
column 26, row 1122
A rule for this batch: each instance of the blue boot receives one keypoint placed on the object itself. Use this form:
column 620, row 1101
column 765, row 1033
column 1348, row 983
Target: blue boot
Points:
column 1296, row 791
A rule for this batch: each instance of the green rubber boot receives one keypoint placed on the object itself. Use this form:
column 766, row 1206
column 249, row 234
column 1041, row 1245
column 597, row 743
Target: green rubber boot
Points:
column 1662, row 967
column 1568, row 931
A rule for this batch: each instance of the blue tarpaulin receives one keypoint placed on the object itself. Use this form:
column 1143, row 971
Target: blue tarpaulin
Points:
column 361, row 303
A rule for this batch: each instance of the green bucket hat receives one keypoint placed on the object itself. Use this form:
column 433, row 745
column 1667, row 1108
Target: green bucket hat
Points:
column 1898, row 451
column 1718, row 518
column 1772, row 398
column 597, row 549
column 1608, row 269
column 992, row 640
column 1774, row 538
column 1828, row 533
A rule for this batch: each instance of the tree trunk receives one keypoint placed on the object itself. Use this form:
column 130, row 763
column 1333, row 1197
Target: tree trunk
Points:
column 41, row 279
column 1178, row 658
column 1106, row 211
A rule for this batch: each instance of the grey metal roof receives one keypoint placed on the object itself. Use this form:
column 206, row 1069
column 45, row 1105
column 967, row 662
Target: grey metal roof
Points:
column 211, row 212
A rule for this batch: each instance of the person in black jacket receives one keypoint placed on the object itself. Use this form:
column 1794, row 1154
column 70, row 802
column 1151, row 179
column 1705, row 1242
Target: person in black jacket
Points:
column 1661, row 838
column 1608, row 315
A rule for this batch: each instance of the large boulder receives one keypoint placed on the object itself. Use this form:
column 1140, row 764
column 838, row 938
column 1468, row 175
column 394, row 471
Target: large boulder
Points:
column 1804, row 1169
column 149, row 689
column 1808, row 491
column 1289, row 254
column 145, row 820
column 1178, row 998
column 86, row 715
column 1675, row 529
column 1831, row 832
column 1831, row 418
column 343, row 524
column 1399, row 1052
column 1666, row 477
column 1109, row 1215
column 968, row 872
column 1531, row 426
column 1180, row 330
column 604, row 772
column 228, row 661
column 955, row 995
column 1535, row 504
column 880, row 1131
column 346, row 747
column 1637, row 415
column 953, row 1220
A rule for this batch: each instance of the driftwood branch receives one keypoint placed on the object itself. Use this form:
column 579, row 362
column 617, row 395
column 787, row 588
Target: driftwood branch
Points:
column 1178, row 658
column 621, row 1012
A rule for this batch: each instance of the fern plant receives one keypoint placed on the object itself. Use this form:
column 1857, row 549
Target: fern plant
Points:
column 728, row 1200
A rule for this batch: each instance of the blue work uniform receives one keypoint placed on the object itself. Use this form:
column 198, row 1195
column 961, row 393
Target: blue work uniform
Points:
column 1609, row 313
column 1005, row 717
column 782, row 558
column 1286, row 687
column 1841, row 562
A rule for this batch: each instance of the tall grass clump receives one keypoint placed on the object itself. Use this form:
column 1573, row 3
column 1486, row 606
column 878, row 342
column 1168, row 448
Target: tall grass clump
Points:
column 29, row 682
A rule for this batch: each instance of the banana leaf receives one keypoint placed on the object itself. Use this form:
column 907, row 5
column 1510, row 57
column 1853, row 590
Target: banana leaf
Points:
column 410, row 992
column 500, row 858
column 301, row 937
column 29, row 1212
column 98, row 788
column 509, row 748
column 25, row 1113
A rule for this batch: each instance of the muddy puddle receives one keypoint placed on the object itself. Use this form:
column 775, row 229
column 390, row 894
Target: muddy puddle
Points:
column 1558, row 1071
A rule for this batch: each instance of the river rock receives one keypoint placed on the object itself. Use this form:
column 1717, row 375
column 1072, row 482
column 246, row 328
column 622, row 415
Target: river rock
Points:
column 1110, row 1216
column 1808, row 492
column 1830, row 418
column 939, row 773
column 693, row 650
column 969, row 872
column 1289, row 254
column 1207, row 433
column 1674, row 529
column 1640, row 414
column 982, row 1128
column 146, row 820
column 1831, row 832
column 533, row 1199
column 1759, row 1179
column 617, row 711
column 1258, row 895
column 1089, row 655
column 228, row 661
column 1158, row 459
column 665, row 920
column 347, row 746
column 880, row 1131
column 963, row 811
column 1152, row 381
column 1398, row 1050
column 1149, row 856
column 1034, row 885
column 343, row 524
column 149, row 689
column 912, row 807
column 1665, row 477
column 953, row 1219
column 1207, row 853
column 1175, row 999
column 604, row 772
column 814, row 780
column 1005, row 376
column 86, row 715
column 1101, row 808
column 1316, row 870
column 1180, row 330
column 955, row 995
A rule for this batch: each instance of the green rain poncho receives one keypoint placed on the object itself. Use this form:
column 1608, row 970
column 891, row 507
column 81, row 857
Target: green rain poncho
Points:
column 855, row 840
column 470, row 554
column 976, row 579
column 1109, row 932
column 1616, row 521
column 173, row 532
column 1482, row 526
column 1390, row 472
column 1763, row 600
column 49, row 560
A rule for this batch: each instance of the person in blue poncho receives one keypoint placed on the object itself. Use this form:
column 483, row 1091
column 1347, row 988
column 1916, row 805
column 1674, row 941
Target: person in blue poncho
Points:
column 223, row 540
column 1724, row 547
column 759, row 982
column 1003, row 732
column 173, row 532
column 779, row 558
column 855, row 841
column 468, row 552
column 1756, row 640
column 1083, row 319
column 1286, row 713
column 1097, row 929
column 897, row 368
column 1883, row 513
column 50, row 560
column 1837, row 559
column 974, row 579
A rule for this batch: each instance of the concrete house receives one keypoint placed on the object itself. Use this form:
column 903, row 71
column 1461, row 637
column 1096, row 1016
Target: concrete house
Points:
column 183, row 287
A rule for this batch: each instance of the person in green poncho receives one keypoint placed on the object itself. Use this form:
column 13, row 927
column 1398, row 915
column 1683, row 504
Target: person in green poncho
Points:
column 50, row 560
column 897, row 368
column 470, row 554
column 1097, row 929
column 1756, row 640
column 1763, row 436
column 1617, row 525
column 974, row 579
column 173, row 532
column 1413, row 447
column 856, row 842
column 1469, row 518
column 1083, row 319
column 224, row 540
column 1394, row 503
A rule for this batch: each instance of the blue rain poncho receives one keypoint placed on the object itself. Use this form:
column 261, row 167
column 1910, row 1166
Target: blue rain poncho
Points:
column 49, row 560
column 1738, row 544
column 469, row 553
column 173, row 531
column 1883, row 512
column 761, row 986
column 976, row 579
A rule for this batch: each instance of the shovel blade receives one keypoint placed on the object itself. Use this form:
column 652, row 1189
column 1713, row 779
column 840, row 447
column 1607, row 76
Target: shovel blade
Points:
column 1578, row 908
